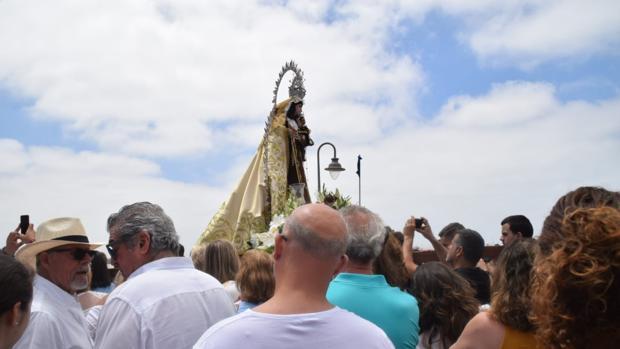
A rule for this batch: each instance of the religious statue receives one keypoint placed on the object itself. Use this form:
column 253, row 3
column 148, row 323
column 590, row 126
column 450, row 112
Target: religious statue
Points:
column 277, row 166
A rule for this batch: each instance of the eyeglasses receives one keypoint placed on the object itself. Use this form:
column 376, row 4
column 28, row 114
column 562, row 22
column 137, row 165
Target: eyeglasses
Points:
column 77, row 253
column 112, row 247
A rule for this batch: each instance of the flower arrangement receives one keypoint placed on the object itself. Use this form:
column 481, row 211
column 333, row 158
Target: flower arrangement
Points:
column 334, row 199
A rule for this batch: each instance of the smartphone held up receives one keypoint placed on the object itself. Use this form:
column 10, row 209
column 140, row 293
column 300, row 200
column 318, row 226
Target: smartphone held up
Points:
column 24, row 222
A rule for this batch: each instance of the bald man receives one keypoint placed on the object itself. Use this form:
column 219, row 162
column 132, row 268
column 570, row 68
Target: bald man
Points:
column 308, row 253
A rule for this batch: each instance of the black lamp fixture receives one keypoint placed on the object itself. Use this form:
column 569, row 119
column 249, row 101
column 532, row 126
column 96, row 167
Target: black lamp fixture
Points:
column 334, row 167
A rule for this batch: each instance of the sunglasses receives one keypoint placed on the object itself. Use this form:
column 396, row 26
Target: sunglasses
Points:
column 112, row 247
column 77, row 253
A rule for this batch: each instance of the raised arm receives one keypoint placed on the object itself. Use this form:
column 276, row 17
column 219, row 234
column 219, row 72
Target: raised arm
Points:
column 408, row 231
column 427, row 232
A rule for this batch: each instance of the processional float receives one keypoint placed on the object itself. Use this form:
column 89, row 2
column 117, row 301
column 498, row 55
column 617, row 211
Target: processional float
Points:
column 275, row 181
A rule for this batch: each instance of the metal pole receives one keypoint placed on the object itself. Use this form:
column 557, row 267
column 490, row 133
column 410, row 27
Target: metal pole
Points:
column 359, row 190
column 318, row 166
column 359, row 175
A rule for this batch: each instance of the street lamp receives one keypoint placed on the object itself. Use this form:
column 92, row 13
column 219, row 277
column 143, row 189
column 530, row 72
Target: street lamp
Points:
column 334, row 167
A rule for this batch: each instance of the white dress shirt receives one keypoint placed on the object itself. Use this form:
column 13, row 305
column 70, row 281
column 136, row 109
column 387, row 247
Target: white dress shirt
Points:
column 164, row 304
column 56, row 320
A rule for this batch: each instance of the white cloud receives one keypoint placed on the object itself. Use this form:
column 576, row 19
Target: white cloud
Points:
column 535, row 33
column 175, row 79
column 525, row 33
column 155, row 78
column 514, row 150
column 506, row 105
column 55, row 182
column 462, row 165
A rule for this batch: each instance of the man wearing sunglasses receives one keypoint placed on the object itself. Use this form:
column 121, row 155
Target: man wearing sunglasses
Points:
column 164, row 302
column 62, row 255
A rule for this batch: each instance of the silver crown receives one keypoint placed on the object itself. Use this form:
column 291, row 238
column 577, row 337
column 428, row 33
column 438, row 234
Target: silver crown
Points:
column 296, row 91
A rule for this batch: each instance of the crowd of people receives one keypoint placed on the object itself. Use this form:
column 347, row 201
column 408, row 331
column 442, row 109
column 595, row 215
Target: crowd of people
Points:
column 335, row 279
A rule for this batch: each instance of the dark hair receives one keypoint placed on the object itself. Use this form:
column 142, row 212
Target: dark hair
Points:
column 582, row 197
column 221, row 260
column 446, row 301
column 99, row 270
column 390, row 264
column 15, row 284
column 511, row 299
column 255, row 279
column 472, row 243
column 450, row 230
column 519, row 224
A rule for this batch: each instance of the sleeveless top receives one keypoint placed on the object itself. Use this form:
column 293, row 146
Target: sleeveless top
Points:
column 514, row 339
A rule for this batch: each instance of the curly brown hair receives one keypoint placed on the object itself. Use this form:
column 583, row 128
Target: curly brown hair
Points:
column 446, row 301
column 510, row 300
column 390, row 264
column 582, row 197
column 255, row 279
column 577, row 287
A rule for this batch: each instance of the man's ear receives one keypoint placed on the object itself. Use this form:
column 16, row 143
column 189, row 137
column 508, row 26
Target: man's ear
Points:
column 519, row 234
column 278, row 247
column 15, row 315
column 43, row 259
column 144, row 242
column 458, row 251
column 344, row 259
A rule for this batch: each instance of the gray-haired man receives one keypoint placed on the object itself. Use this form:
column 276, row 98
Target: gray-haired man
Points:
column 165, row 302
column 359, row 290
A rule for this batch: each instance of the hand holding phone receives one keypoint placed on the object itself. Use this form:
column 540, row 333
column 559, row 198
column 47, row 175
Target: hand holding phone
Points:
column 419, row 222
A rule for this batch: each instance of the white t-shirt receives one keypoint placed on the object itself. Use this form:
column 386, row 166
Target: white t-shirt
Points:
column 334, row 328
column 56, row 320
column 164, row 304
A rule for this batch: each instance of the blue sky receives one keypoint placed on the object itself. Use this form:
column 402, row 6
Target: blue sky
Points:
column 105, row 105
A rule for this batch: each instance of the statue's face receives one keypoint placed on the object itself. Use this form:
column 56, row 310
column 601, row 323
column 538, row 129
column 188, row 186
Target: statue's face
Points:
column 298, row 108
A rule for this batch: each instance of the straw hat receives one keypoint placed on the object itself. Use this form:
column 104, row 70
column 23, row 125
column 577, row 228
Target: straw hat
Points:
column 53, row 233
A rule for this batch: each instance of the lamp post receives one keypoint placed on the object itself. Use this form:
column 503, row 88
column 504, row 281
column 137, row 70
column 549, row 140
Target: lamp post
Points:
column 334, row 167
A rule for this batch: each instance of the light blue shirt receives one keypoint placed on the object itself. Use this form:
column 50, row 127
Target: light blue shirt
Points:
column 372, row 298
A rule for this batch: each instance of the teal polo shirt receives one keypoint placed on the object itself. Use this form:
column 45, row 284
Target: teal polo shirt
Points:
column 372, row 298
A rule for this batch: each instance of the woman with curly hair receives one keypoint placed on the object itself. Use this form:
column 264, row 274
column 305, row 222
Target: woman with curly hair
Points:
column 506, row 325
column 576, row 287
column 255, row 279
column 446, row 302
column 582, row 197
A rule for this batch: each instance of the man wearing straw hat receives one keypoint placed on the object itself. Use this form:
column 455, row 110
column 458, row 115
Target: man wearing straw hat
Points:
column 62, row 255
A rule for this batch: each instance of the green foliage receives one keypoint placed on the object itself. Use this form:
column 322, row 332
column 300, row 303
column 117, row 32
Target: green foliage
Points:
column 334, row 199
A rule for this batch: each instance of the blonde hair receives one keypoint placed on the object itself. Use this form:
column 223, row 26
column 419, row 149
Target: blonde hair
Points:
column 221, row 260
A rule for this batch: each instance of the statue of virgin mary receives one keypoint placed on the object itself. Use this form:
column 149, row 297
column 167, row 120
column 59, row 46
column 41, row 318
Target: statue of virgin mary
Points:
column 263, row 191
